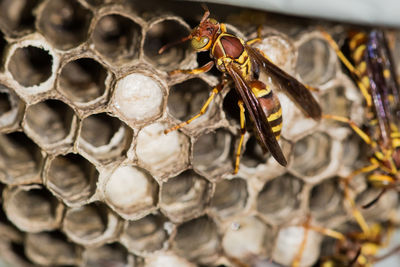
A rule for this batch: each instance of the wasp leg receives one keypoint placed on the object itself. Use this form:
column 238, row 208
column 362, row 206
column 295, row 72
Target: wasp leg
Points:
column 352, row 124
column 207, row 67
column 258, row 38
column 297, row 258
column 242, row 132
column 214, row 92
column 354, row 210
column 349, row 66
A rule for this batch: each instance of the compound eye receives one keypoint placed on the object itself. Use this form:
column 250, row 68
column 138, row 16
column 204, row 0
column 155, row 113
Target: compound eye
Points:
column 199, row 44
column 213, row 21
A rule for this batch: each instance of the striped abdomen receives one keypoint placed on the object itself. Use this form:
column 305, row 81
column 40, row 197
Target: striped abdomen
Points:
column 270, row 105
column 358, row 48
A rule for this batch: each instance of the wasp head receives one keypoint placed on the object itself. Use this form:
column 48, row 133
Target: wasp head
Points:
column 203, row 35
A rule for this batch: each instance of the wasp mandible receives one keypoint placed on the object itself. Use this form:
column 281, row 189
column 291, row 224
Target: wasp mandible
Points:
column 237, row 60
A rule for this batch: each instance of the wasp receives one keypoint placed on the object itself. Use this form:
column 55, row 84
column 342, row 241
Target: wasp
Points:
column 242, row 63
column 353, row 247
column 372, row 68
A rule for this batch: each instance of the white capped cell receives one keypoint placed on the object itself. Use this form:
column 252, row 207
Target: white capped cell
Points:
column 159, row 151
column 130, row 189
column 288, row 244
column 138, row 97
column 245, row 238
column 167, row 260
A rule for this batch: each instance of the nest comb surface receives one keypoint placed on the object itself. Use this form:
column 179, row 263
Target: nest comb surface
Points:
column 88, row 177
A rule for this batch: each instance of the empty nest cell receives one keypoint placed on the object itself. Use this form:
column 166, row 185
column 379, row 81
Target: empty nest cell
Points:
column 104, row 138
column 162, row 154
column 253, row 154
column 312, row 154
column 30, row 65
column 280, row 197
column 131, row 191
column 32, row 208
column 230, row 197
column 117, row 37
column 49, row 121
column 107, row 255
column 187, row 98
column 92, row 224
column 64, row 23
column 326, row 199
column 83, row 80
column 167, row 259
column 163, row 32
column 54, row 249
column 144, row 236
column 20, row 159
column 213, row 153
column 197, row 240
column 184, row 196
column 71, row 177
column 10, row 107
column 138, row 98
column 3, row 44
column 16, row 16
column 315, row 61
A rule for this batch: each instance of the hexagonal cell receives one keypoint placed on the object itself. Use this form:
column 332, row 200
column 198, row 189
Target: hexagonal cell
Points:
column 144, row 236
column 83, row 80
column 382, row 210
column 312, row 154
column 163, row 154
column 289, row 242
column 326, row 200
column 71, row 177
column 54, row 249
column 338, row 101
column 197, row 240
column 3, row 44
column 253, row 154
column 279, row 49
column 64, row 23
column 165, row 31
column 138, row 98
column 167, row 259
column 50, row 123
column 117, row 37
column 91, row 225
column 187, row 98
column 131, row 191
column 16, row 17
column 32, row 208
column 104, row 138
column 184, row 196
column 230, row 197
column 315, row 62
column 30, row 65
column 107, row 255
column 280, row 197
column 13, row 252
column 247, row 237
column 20, row 159
column 10, row 108
column 213, row 153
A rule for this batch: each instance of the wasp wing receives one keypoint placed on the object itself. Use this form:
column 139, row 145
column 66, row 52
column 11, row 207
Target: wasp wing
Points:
column 380, row 87
column 296, row 90
column 262, row 128
column 389, row 74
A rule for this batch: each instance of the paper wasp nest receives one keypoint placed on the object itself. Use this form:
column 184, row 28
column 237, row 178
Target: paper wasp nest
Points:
column 89, row 178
